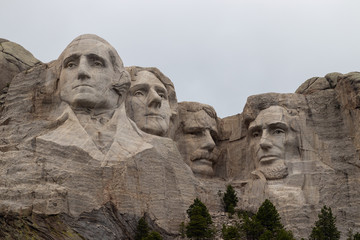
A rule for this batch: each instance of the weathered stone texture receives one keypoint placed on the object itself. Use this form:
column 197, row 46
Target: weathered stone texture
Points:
column 13, row 60
column 74, row 169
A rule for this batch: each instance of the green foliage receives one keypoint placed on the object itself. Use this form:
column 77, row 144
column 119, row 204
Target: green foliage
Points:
column 153, row 236
column 182, row 229
column 282, row 234
column 142, row 231
column 199, row 226
column 325, row 228
column 231, row 232
column 252, row 227
column 267, row 235
column 268, row 216
column 351, row 236
column 265, row 224
column 230, row 200
column 356, row 236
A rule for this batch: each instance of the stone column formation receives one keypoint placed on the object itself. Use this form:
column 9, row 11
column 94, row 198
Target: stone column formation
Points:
column 89, row 146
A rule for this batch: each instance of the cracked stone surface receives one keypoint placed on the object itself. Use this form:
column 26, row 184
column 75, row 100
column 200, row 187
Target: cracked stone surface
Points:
column 13, row 60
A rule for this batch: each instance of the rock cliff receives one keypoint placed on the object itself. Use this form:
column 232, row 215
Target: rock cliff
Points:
column 85, row 159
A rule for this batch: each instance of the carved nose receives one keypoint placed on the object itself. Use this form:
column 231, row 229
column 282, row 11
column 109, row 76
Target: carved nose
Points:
column 83, row 70
column 265, row 143
column 208, row 143
column 154, row 99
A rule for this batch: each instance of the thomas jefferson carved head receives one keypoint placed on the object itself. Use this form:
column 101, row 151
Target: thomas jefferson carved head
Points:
column 196, row 137
column 151, row 102
column 92, row 75
column 273, row 140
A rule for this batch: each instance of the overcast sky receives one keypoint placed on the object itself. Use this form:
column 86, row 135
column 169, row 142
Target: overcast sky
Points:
column 217, row 52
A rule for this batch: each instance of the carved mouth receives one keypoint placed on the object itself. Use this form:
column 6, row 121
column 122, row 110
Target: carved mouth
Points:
column 82, row 85
column 203, row 162
column 268, row 158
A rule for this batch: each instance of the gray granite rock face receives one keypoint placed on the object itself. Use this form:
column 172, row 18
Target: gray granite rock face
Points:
column 321, row 166
column 13, row 60
column 87, row 147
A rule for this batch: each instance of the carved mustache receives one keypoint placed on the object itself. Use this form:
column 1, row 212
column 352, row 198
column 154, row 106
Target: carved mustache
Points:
column 154, row 114
column 204, row 154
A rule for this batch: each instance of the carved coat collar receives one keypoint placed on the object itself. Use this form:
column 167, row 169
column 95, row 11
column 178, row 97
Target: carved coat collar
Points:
column 128, row 139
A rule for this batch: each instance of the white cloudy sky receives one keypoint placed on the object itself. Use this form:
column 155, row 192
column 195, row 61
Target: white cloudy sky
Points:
column 217, row 52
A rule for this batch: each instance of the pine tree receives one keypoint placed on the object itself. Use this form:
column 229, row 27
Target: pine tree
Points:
column 357, row 236
column 231, row 232
column 252, row 227
column 325, row 228
column 269, row 217
column 199, row 226
column 142, row 229
column 265, row 224
column 230, row 200
column 182, row 229
column 351, row 236
column 153, row 236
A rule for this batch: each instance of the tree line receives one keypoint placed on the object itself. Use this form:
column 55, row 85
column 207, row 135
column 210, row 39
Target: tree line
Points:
column 265, row 224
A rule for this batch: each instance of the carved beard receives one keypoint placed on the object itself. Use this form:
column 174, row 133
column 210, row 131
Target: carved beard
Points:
column 275, row 170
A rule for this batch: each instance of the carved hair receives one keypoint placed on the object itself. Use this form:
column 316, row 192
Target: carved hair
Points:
column 122, row 83
column 196, row 107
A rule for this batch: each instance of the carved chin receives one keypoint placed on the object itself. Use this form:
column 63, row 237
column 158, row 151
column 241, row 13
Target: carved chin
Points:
column 202, row 167
column 154, row 126
column 275, row 171
column 83, row 101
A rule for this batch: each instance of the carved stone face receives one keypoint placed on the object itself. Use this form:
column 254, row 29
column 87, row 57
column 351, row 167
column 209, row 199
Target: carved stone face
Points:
column 272, row 141
column 148, row 105
column 196, row 141
column 87, row 75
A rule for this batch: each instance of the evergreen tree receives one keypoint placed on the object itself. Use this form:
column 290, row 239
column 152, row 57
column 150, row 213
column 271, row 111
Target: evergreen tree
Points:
column 357, row 236
column 153, row 236
column 351, row 236
column 325, row 228
column 252, row 227
column 199, row 226
column 182, row 229
column 269, row 217
column 282, row 234
column 142, row 229
column 265, row 224
column 230, row 200
column 231, row 232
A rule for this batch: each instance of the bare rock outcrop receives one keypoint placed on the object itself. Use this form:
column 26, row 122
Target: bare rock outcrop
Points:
column 13, row 60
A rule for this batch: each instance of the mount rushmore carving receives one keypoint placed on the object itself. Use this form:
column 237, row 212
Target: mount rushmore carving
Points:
column 98, row 145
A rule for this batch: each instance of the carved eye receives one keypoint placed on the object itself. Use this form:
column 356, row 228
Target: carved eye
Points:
column 196, row 133
column 256, row 134
column 138, row 93
column 278, row 131
column 70, row 65
column 162, row 95
column 98, row 63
